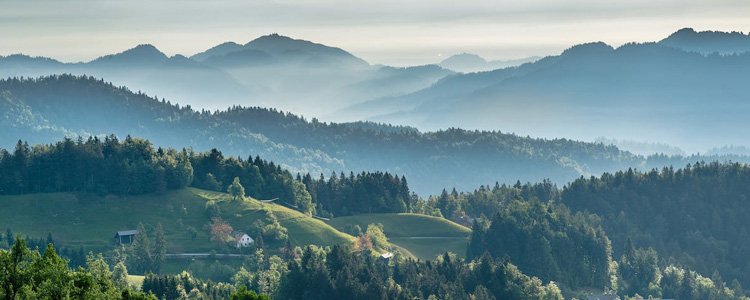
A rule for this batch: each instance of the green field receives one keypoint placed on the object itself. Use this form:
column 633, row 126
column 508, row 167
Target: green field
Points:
column 423, row 236
column 136, row 281
column 92, row 221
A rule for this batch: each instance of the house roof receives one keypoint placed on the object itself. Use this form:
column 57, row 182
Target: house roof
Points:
column 127, row 232
column 237, row 234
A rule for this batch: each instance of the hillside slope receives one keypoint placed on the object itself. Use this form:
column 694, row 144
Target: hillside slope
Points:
column 92, row 221
column 423, row 236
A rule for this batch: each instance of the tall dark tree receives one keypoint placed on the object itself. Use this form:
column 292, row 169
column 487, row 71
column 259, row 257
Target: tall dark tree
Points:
column 142, row 258
column 160, row 248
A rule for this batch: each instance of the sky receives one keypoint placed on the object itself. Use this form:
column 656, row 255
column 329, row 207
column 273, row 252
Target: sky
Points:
column 394, row 32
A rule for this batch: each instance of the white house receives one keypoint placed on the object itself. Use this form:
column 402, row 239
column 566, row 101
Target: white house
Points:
column 243, row 240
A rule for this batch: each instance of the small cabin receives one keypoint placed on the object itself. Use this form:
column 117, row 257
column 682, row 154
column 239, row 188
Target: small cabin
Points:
column 243, row 240
column 125, row 236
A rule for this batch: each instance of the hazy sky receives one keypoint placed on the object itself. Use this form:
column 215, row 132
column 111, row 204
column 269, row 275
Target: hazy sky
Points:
column 397, row 32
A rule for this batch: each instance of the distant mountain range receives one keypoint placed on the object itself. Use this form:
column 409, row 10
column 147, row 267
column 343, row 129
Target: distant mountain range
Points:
column 687, row 90
column 647, row 92
column 272, row 70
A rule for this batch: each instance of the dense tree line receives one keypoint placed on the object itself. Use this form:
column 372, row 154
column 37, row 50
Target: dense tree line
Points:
column 640, row 275
column 132, row 166
column 547, row 241
column 259, row 178
column 28, row 274
column 76, row 257
column 691, row 216
column 490, row 201
column 184, row 286
column 695, row 215
column 339, row 273
column 366, row 192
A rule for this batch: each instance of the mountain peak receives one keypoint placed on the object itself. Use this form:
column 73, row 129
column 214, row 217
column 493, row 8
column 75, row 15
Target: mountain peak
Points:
column 588, row 49
column 464, row 62
column 684, row 31
column 707, row 42
column 144, row 50
column 218, row 50
column 276, row 44
column 143, row 53
column 465, row 57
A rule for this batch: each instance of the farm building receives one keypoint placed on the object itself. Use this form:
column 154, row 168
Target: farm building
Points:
column 125, row 236
column 243, row 240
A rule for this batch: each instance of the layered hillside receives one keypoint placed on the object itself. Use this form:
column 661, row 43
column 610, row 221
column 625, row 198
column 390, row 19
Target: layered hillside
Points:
column 46, row 109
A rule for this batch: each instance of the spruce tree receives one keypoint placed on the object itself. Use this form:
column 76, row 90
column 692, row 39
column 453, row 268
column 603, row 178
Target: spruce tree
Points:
column 141, row 250
column 160, row 248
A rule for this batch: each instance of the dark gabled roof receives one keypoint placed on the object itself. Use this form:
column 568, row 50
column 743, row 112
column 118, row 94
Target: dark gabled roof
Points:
column 127, row 232
column 237, row 233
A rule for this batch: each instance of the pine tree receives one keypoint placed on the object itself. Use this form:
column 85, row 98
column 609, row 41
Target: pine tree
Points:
column 141, row 250
column 160, row 248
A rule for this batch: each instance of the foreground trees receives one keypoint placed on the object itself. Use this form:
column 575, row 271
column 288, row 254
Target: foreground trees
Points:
column 339, row 273
column 27, row 274
column 696, row 215
column 363, row 193
column 547, row 241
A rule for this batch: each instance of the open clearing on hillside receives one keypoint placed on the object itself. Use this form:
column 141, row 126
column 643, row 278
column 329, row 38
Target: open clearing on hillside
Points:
column 136, row 281
column 423, row 236
column 92, row 221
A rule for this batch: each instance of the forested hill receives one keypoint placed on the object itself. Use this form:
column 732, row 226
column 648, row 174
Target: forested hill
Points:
column 46, row 109
column 697, row 214
column 693, row 217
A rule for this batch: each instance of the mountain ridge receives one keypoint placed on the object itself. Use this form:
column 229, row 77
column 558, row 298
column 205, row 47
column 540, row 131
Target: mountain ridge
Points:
column 708, row 42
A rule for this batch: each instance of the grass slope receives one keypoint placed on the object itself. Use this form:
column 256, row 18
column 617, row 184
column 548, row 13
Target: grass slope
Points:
column 423, row 236
column 92, row 221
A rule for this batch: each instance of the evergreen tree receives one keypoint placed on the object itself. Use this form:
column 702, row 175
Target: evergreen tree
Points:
column 160, row 248
column 141, row 250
